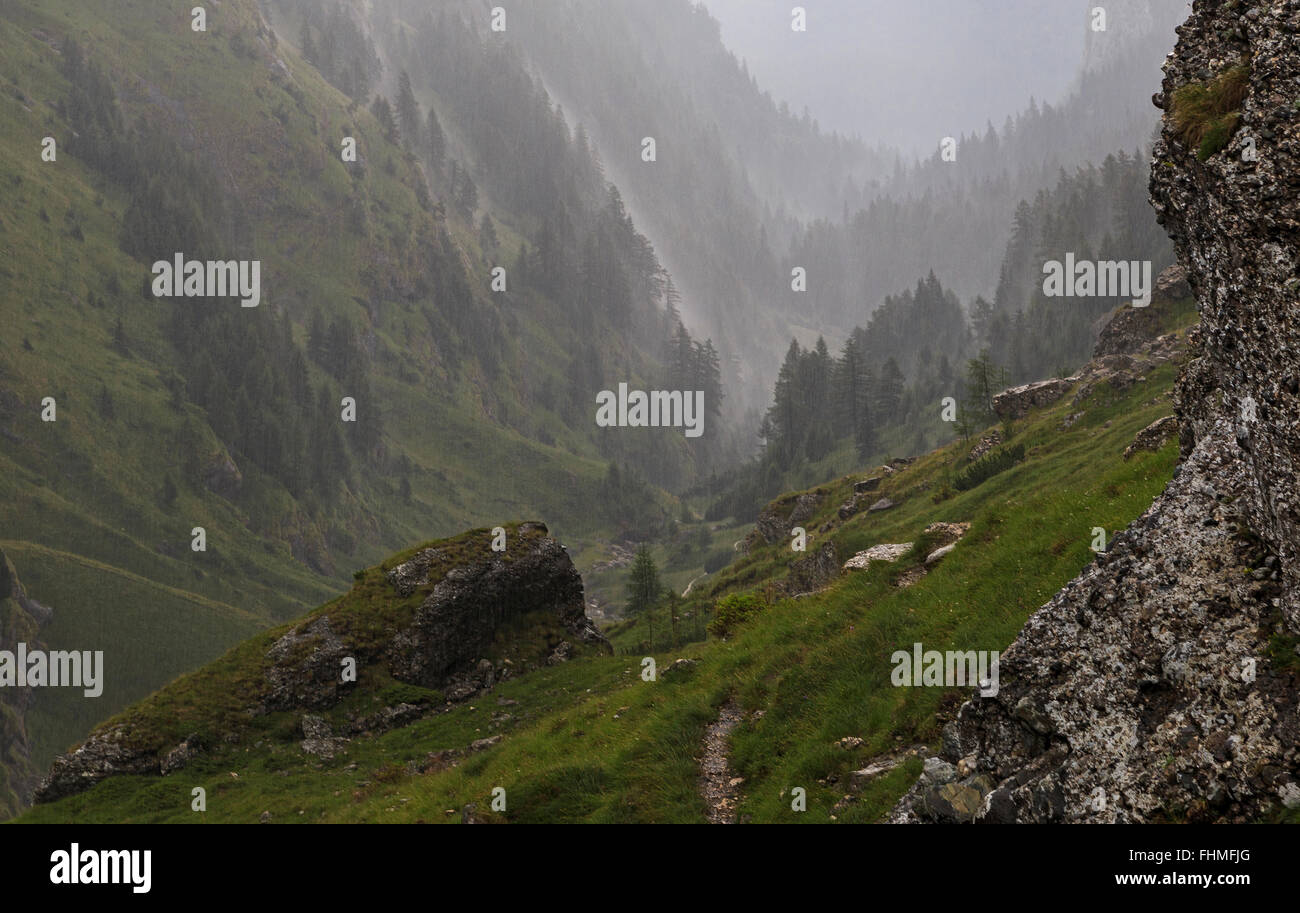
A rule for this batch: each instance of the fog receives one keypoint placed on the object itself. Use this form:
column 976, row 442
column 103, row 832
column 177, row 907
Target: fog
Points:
column 906, row 75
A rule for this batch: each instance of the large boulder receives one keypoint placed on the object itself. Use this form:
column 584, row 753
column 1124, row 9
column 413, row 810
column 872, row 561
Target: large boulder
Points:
column 436, row 618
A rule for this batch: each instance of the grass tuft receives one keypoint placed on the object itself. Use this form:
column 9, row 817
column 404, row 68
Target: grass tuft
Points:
column 1206, row 114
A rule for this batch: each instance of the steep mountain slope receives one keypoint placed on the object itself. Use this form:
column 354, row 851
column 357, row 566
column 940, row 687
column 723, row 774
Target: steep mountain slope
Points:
column 1162, row 684
column 742, row 193
column 805, row 682
column 128, row 421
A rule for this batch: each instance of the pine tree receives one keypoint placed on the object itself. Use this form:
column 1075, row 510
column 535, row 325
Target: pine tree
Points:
column 120, row 342
column 383, row 113
column 435, row 141
column 643, row 585
column 408, row 112
column 487, row 234
column 889, row 391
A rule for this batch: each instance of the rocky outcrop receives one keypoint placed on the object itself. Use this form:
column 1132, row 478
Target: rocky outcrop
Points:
column 456, row 623
column 1130, row 329
column 776, row 521
column 1016, row 402
column 439, row 620
column 21, row 619
column 222, row 477
column 815, row 572
column 1153, row 436
column 986, row 443
column 1150, row 687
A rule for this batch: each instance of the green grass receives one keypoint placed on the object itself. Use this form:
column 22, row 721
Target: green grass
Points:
column 1206, row 114
column 81, row 504
column 591, row 741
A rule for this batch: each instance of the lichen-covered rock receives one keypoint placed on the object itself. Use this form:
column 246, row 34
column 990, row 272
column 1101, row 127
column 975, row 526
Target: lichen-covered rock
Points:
column 107, row 753
column 1144, row 690
column 941, row 534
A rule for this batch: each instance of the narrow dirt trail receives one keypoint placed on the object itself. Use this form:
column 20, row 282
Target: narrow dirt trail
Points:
column 717, row 785
column 686, row 592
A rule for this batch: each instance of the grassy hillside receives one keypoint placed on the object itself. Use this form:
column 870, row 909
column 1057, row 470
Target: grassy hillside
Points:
column 97, row 506
column 591, row 741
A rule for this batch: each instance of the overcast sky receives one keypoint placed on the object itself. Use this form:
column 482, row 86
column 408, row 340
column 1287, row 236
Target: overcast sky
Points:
column 909, row 73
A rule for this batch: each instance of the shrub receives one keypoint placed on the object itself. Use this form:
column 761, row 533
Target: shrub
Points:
column 732, row 611
column 1206, row 114
column 988, row 466
column 402, row 693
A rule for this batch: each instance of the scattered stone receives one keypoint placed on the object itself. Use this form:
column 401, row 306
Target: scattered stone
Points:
column 942, row 534
column 882, row 504
column 484, row 744
column 986, row 443
column 680, row 666
column 939, row 554
column 957, row 802
column 561, row 654
column 318, row 738
column 863, row 559
column 937, row 772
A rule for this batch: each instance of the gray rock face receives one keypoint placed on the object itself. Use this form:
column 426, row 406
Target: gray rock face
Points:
column 775, row 522
column 1143, row 691
column 1236, row 224
column 807, row 575
column 1129, row 330
column 455, row 624
column 222, row 477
